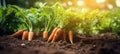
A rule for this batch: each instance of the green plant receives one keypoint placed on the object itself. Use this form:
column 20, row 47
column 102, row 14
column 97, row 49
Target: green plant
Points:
column 9, row 19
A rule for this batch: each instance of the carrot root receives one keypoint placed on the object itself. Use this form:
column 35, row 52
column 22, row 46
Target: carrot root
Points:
column 52, row 35
column 45, row 34
column 70, row 34
column 30, row 36
column 18, row 33
column 57, row 34
column 25, row 35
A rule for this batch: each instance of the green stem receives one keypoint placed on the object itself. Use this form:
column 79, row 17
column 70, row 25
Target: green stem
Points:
column 27, row 22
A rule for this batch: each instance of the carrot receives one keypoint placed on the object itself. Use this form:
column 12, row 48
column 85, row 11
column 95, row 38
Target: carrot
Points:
column 18, row 33
column 64, row 35
column 45, row 34
column 25, row 34
column 70, row 34
column 30, row 35
column 52, row 34
column 57, row 34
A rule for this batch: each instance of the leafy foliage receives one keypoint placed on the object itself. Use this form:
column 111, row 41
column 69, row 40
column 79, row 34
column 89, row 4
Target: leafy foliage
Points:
column 45, row 18
column 9, row 22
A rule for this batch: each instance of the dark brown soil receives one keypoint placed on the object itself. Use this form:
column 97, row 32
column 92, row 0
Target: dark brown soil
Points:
column 103, row 44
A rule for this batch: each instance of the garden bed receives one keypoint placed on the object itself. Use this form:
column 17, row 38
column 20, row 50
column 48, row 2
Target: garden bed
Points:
column 105, row 43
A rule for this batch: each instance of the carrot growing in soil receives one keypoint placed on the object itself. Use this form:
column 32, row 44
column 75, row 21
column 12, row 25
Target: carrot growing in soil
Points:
column 47, row 15
column 57, row 34
column 30, row 27
column 30, row 35
column 70, row 34
column 60, row 20
column 25, row 35
column 27, row 22
column 45, row 34
column 18, row 33
column 52, row 34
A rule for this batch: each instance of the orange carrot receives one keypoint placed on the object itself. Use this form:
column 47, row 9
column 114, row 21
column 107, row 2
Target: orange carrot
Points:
column 25, row 35
column 64, row 35
column 52, row 34
column 70, row 34
column 45, row 34
column 57, row 34
column 18, row 33
column 30, row 35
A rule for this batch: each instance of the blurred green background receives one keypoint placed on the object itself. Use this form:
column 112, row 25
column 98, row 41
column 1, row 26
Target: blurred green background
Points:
column 91, row 4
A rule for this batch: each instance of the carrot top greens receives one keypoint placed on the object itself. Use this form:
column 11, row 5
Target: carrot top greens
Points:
column 46, row 18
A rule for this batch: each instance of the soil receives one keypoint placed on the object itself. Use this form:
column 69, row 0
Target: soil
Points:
column 106, row 43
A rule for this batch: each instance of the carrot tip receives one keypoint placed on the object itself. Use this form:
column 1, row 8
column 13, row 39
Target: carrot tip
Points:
column 70, row 36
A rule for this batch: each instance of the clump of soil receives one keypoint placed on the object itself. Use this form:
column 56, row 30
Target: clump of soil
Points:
column 106, row 43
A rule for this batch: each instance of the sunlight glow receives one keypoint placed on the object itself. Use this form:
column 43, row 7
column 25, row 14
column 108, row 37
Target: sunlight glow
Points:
column 80, row 3
column 100, row 1
column 83, row 10
column 69, row 3
column 64, row 4
column 110, row 6
column 118, row 3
